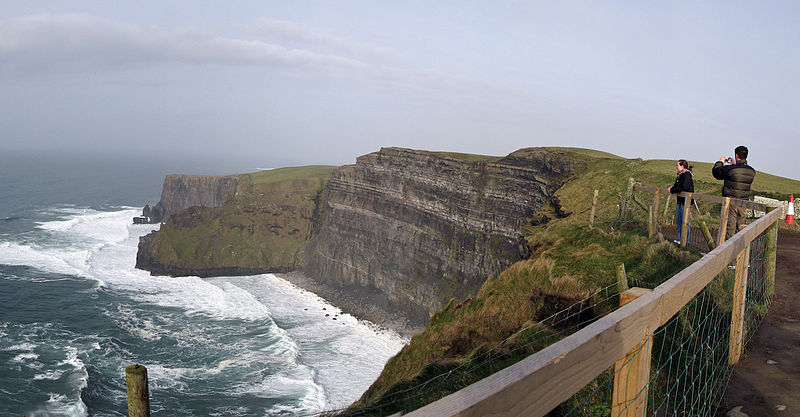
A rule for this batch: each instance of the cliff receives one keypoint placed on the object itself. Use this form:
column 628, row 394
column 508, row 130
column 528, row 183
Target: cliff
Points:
column 263, row 225
column 184, row 191
column 407, row 230
column 394, row 236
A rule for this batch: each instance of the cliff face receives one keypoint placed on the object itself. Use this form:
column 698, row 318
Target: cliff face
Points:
column 400, row 232
column 263, row 225
column 184, row 191
column 407, row 230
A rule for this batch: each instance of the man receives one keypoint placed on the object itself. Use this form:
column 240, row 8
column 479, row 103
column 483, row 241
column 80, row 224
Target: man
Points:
column 737, row 178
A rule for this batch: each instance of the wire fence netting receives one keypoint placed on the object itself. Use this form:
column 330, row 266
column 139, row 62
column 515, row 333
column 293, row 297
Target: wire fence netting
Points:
column 690, row 363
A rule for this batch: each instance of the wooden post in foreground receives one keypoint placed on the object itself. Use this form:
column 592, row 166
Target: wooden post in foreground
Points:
column 138, row 393
column 737, row 308
column 594, row 205
column 632, row 372
column 770, row 254
column 685, row 226
column 723, row 220
column 666, row 207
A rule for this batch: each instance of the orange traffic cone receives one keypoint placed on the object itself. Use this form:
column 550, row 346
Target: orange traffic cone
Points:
column 790, row 211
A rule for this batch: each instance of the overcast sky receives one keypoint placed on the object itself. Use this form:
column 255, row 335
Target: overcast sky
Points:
column 292, row 83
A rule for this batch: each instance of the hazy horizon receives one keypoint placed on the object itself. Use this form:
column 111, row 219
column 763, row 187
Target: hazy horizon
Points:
column 281, row 84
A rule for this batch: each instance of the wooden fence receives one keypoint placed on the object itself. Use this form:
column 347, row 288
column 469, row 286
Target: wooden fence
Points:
column 542, row 381
column 726, row 203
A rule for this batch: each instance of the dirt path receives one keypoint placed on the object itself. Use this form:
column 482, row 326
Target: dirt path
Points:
column 760, row 388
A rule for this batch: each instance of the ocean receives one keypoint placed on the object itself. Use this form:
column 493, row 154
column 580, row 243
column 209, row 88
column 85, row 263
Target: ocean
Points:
column 74, row 312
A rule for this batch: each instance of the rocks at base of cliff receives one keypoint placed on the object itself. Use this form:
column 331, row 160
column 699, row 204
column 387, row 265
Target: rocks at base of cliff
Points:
column 150, row 215
column 367, row 305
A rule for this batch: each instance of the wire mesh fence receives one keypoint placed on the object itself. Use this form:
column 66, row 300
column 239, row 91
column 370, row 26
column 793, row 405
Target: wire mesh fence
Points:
column 690, row 362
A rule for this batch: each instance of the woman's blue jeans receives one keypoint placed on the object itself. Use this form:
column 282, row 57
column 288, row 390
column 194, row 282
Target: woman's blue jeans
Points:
column 679, row 221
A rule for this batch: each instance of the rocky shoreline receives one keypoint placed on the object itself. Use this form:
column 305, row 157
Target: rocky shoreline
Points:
column 353, row 304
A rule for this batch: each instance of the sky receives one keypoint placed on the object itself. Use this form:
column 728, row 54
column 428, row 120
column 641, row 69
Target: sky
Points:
column 280, row 83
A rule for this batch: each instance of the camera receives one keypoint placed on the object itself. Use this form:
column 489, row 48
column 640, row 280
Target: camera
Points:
column 729, row 160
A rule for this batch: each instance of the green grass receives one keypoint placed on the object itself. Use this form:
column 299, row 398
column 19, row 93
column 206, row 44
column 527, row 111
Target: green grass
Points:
column 284, row 174
column 468, row 157
column 266, row 226
column 594, row 154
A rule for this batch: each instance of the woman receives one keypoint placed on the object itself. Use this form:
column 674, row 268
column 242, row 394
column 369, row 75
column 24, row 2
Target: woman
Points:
column 683, row 182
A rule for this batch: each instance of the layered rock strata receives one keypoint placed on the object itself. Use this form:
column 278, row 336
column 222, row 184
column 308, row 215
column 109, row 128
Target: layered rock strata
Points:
column 407, row 230
column 184, row 191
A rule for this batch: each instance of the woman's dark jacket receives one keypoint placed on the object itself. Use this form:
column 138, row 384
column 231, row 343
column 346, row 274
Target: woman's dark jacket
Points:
column 683, row 182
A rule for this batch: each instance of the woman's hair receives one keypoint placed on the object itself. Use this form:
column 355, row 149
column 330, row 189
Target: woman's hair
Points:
column 683, row 163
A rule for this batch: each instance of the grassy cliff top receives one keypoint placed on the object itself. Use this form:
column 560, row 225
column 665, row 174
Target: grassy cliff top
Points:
column 288, row 173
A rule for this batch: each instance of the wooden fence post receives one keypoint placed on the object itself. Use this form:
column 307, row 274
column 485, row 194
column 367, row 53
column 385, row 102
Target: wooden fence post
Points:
column 666, row 207
column 138, row 393
column 624, row 207
column 632, row 372
column 737, row 308
column 723, row 220
column 654, row 212
column 685, row 226
column 622, row 278
column 770, row 254
column 707, row 234
column 594, row 205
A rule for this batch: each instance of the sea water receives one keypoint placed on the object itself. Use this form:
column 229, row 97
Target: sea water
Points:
column 74, row 312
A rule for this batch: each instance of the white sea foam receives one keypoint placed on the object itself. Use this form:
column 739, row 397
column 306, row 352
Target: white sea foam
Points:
column 62, row 405
column 42, row 258
column 332, row 348
column 24, row 357
column 21, row 346
column 325, row 363
column 101, row 226
column 50, row 375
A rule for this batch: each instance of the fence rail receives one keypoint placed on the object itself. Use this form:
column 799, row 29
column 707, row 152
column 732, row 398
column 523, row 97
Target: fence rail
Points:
column 541, row 382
